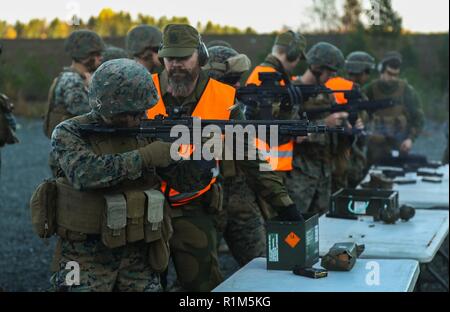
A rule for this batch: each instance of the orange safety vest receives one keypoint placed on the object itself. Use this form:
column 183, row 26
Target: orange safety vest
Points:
column 279, row 157
column 215, row 103
column 339, row 83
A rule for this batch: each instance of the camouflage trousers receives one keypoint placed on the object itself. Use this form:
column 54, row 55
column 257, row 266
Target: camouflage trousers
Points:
column 311, row 193
column 193, row 249
column 357, row 165
column 243, row 222
column 102, row 269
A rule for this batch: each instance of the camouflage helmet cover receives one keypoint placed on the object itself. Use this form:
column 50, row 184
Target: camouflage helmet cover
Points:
column 325, row 55
column 120, row 86
column 112, row 53
column 224, row 60
column 357, row 62
column 81, row 43
column 142, row 37
column 295, row 42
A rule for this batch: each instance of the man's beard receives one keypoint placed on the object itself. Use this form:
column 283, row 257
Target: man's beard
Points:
column 181, row 81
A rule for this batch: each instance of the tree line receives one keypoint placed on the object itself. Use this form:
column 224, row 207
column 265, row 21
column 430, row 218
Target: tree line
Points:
column 322, row 14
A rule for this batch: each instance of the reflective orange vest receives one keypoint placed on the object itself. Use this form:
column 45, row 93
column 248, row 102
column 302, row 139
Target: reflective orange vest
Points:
column 339, row 83
column 215, row 103
column 279, row 157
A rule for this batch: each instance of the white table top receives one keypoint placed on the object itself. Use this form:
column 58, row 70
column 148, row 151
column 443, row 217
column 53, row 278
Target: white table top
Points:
column 393, row 276
column 418, row 239
column 423, row 195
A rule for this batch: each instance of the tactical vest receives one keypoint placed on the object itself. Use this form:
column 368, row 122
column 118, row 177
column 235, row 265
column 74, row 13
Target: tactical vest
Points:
column 339, row 83
column 129, row 212
column 391, row 121
column 215, row 103
column 279, row 157
column 56, row 114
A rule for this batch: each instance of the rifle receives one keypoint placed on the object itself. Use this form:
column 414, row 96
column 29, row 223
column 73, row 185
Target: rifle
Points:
column 269, row 91
column 294, row 95
column 161, row 127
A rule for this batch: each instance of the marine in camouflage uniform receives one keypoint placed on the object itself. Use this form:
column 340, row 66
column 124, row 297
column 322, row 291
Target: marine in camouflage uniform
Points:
column 397, row 127
column 111, row 174
column 142, row 43
column 310, row 180
column 287, row 52
column 7, row 122
column 112, row 53
column 240, row 220
column 68, row 92
column 358, row 67
column 194, row 242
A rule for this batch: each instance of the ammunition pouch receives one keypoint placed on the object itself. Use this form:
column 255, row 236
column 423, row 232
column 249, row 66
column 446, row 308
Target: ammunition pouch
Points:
column 117, row 219
column 43, row 209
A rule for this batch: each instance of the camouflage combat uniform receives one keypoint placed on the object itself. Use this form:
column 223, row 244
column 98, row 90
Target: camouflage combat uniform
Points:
column 358, row 63
column 94, row 165
column 393, row 125
column 68, row 93
column 310, row 180
column 7, row 124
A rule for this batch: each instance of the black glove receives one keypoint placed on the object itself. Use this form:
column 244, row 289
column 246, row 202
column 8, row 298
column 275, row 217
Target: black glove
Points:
column 290, row 213
column 189, row 175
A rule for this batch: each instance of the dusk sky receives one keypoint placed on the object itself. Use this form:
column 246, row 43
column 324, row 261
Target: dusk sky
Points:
column 261, row 15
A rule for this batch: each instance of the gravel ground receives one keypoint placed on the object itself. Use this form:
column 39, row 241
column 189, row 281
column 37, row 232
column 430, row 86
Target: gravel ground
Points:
column 25, row 259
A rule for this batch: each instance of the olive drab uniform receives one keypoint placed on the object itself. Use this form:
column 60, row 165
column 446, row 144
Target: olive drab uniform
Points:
column 67, row 97
column 7, row 124
column 391, row 126
column 194, row 242
column 108, row 212
column 310, row 179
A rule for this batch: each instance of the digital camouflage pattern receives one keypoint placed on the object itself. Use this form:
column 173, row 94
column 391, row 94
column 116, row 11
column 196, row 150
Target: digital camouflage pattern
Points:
column 326, row 55
column 244, row 230
column 112, row 53
column 309, row 182
column 130, row 90
column 297, row 42
column 102, row 269
column 7, row 124
column 71, row 92
column 359, row 61
column 142, row 37
column 73, row 157
column 81, row 43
